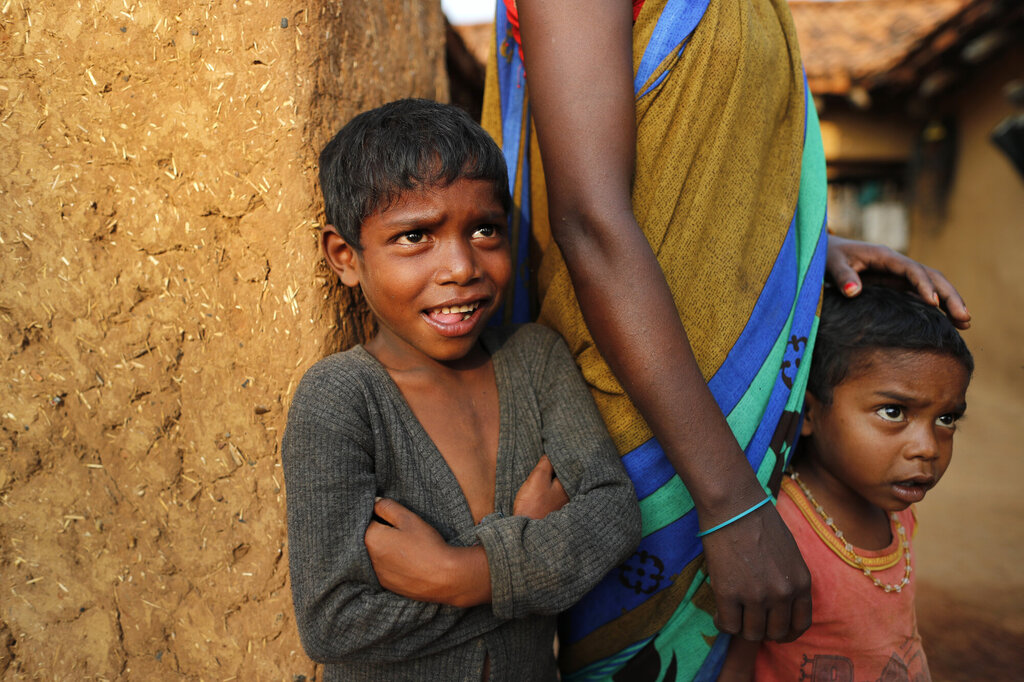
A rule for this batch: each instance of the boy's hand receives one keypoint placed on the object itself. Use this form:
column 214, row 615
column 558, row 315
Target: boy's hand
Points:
column 411, row 558
column 541, row 492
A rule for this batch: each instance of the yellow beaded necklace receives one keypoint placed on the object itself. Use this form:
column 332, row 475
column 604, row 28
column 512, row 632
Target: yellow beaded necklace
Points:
column 846, row 550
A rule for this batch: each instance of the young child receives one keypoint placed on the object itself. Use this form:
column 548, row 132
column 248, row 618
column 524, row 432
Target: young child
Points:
column 450, row 487
column 887, row 385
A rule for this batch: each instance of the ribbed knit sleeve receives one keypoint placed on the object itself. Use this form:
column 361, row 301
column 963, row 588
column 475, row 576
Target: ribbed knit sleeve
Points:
column 351, row 436
column 544, row 566
column 330, row 452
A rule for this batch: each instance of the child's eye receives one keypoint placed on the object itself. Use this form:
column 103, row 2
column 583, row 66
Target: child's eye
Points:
column 948, row 420
column 890, row 413
column 411, row 237
column 486, row 231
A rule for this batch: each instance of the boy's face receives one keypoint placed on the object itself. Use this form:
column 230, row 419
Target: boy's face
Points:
column 887, row 436
column 433, row 269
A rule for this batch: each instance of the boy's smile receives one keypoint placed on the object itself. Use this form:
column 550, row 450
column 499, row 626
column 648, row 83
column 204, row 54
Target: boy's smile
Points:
column 433, row 268
column 887, row 436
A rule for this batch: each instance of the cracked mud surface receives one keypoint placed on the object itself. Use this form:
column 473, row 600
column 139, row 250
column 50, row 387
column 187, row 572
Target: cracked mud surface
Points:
column 160, row 300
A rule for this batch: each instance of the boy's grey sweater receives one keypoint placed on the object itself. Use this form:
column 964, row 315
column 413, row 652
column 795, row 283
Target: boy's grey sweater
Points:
column 351, row 437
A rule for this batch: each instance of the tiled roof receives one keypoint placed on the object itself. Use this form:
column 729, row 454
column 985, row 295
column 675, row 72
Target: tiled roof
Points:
column 843, row 43
column 867, row 43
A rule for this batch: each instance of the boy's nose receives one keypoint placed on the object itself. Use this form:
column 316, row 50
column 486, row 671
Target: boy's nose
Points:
column 457, row 265
column 924, row 443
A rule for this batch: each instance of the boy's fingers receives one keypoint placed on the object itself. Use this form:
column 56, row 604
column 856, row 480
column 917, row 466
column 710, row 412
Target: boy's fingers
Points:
column 390, row 511
column 544, row 465
column 542, row 472
column 559, row 490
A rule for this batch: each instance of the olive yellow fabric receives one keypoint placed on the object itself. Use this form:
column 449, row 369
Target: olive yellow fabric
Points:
column 729, row 190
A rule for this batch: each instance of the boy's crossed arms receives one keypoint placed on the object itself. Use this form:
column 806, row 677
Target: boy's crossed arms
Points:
column 351, row 438
column 411, row 558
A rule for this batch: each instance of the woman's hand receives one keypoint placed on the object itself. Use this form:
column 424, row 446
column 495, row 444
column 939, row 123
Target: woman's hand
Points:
column 541, row 492
column 762, row 586
column 411, row 558
column 847, row 258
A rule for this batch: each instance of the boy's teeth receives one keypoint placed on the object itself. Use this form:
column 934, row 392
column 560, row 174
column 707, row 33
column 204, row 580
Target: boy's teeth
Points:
column 455, row 313
column 460, row 308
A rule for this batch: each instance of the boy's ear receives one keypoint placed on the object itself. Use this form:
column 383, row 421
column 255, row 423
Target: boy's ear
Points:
column 812, row 407
column 340, row 256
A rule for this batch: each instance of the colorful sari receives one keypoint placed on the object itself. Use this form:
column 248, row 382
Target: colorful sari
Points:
column 730, row 191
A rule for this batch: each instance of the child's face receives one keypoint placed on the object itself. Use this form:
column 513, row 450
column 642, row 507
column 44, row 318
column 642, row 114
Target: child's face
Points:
column 887, row 436
column 433, row 269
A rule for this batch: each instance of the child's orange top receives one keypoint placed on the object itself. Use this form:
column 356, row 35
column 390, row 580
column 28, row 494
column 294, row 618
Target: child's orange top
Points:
column 858, row 631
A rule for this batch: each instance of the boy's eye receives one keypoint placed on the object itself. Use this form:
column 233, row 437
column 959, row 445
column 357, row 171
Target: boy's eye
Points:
column 486, row 231
column 890, row 413
column 412, row 237
column 948, row 420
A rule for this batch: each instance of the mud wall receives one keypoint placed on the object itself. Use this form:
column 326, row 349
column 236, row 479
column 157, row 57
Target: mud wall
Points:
column 159, row 299
column 975, row 238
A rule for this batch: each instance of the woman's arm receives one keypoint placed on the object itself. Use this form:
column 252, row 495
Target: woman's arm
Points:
column 579, row 59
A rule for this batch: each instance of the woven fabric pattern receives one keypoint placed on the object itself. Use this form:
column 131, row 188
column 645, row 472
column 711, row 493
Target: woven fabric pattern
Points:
column 730, row 191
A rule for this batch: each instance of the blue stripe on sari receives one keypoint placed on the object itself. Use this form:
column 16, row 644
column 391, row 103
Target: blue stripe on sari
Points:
column 767, row 320
column 671, row 31
column 803, row 322
column 647, row 465
column 674, row 545
column 515, row 133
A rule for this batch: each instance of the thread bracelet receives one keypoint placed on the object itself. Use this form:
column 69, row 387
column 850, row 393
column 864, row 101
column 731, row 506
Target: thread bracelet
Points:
column 739, row 516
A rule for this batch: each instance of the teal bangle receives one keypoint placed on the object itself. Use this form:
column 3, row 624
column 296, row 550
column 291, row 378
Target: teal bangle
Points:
column 737, row 517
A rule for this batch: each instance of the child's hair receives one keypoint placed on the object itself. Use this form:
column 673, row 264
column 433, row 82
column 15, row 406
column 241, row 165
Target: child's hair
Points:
column 880, row 318
column 407, row 144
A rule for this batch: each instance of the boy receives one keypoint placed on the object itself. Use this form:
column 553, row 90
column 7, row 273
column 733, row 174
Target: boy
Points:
column 427, row 470
column 887, row 385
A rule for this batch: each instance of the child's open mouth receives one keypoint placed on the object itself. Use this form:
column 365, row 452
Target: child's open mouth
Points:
column 912, row 490
column 446, row 315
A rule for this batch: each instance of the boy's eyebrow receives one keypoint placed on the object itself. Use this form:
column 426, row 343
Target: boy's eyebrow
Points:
column 416, row 218
column 494, row 215
column 892, row 395
column 902, row 398
column 429, row 217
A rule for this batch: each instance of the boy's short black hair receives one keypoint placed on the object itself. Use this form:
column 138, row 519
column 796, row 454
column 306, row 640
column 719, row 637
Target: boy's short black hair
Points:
column 404, row 145
column 879, row 318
